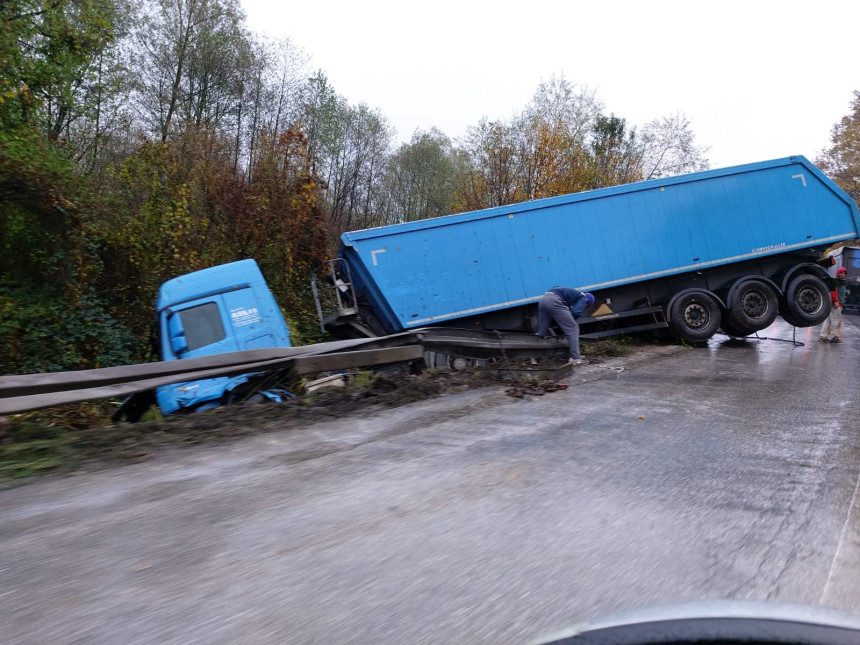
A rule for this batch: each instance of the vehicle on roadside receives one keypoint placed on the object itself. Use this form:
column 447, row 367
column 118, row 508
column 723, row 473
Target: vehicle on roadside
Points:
column 726, row 249
column 227, row 308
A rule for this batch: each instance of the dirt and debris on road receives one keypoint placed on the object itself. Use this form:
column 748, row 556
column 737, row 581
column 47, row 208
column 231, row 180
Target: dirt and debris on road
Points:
column 523, row 390
column 76, row 438
column 33, row 447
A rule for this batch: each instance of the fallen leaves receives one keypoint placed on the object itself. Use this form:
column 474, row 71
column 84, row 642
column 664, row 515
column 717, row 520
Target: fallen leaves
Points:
column 534, row 389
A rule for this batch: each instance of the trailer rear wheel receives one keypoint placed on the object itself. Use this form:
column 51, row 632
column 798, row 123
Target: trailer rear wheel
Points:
column 694, row 316
column 807, row 301
column 731, row 329
column 787, row 317
column 754, row 305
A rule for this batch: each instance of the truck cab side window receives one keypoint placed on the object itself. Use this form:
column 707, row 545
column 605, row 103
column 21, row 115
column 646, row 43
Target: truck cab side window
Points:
column 202, row 325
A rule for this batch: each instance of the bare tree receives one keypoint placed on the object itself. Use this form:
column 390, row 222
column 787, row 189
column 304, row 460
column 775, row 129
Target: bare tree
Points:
column 348, row 147
column 192, row 55
column 669, row 148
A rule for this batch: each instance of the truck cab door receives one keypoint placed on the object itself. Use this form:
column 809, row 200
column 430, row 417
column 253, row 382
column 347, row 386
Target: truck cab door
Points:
column 199, row 329
column 176, row 335
column 195, row 329
column 254, row 319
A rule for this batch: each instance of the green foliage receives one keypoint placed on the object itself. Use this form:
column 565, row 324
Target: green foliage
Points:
column 363, row 379
column 47, row 56
column 420, row 178
column 152, row 228
column 180, row 206
column 285, row 229
column 61, row 439
column 46, row 332
column 50, row 317
column 615, row 154
column 32, row 455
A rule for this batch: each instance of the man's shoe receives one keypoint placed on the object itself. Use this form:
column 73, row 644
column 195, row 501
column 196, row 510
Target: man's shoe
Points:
column 836, row 340
column 576, row 362
column 822, row 339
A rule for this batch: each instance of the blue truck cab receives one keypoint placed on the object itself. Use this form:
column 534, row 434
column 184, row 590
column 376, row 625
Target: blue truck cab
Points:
column 226, row 308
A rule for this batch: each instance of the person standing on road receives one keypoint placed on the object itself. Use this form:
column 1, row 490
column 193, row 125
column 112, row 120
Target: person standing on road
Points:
column 564, row 305
column 832, row 329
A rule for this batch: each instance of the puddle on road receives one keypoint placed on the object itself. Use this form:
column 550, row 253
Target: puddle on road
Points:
column 776, row 345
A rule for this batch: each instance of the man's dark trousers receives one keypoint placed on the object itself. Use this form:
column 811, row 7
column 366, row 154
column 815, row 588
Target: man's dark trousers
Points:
column 551, row 307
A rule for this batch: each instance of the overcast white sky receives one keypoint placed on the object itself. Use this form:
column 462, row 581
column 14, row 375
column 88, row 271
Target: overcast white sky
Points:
column 758, row 79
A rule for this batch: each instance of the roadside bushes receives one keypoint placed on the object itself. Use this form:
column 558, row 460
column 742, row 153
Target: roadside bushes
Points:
column 42, row 332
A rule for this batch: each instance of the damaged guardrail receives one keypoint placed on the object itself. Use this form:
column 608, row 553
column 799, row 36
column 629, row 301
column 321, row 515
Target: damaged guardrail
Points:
column 21, row 393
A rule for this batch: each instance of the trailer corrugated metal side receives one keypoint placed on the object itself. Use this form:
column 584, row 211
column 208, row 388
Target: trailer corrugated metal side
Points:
column 445, row 268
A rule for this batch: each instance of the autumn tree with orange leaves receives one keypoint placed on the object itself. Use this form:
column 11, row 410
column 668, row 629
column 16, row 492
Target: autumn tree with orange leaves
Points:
column 841, row 161
column 563, row 143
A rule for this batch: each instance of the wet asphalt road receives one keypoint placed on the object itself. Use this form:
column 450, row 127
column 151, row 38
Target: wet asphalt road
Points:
column 725, row 472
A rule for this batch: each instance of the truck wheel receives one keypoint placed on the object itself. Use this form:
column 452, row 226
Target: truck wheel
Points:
column 754, row 305
column 807, row 301
column 786, row 315
column 695, row 317
column 731, row 329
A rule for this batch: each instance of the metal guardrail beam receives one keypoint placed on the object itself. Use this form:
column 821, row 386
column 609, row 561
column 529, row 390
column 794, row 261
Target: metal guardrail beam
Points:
column 183, row 370
column 20, row 393
column 302, row 364
column 359, row 358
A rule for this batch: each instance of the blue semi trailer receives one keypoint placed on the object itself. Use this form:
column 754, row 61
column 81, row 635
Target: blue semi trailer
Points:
column 723, row 249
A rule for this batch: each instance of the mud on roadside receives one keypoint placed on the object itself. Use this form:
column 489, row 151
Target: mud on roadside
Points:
column 59, row 441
